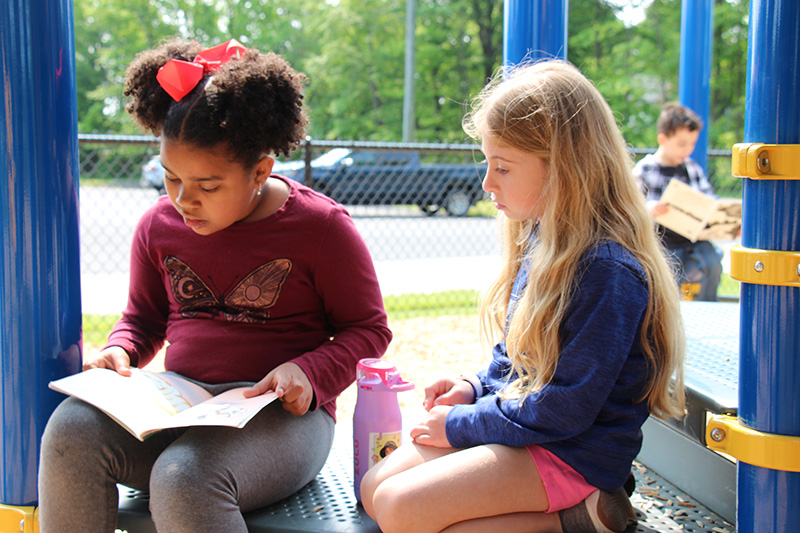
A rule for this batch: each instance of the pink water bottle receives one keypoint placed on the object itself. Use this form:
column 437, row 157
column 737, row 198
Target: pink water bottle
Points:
column 377, row 422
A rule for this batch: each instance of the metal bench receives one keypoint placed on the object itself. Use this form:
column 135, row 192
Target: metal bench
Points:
column 677, row 449
column 327, row 504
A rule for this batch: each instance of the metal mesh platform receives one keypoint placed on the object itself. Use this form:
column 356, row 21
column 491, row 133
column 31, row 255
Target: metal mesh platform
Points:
column 676, row 449
column 712, row 364
column 712, row 348
column 662, row 507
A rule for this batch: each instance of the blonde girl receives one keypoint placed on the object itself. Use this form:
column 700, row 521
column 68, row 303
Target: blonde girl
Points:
column 589, row 330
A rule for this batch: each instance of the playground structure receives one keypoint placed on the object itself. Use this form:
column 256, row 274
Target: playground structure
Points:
column 754, row 417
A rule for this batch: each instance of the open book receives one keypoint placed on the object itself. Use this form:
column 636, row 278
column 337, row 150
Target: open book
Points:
column 699, row 217
column 147, row 402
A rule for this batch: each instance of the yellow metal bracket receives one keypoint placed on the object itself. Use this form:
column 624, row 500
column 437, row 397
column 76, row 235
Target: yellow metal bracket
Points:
column 15, row 519
column 724, row 433
column 690, row 290
column 766, row 161
column 765, row 267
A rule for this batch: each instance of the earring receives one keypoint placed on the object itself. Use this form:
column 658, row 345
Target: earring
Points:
column 258, row 191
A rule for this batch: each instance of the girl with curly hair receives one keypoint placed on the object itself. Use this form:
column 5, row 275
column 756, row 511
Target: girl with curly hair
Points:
column 588, row 322
column 250, row 278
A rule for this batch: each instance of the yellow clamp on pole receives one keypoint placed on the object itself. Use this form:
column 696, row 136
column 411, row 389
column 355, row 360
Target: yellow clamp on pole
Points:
column 765, row 267
column 766, row 161
column 724, row 433
column 15, row 519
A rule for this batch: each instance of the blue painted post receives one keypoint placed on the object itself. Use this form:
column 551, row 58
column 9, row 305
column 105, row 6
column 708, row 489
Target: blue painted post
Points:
column 694, row 87
column 534, row 29
column 40, row 307
column 769, row 366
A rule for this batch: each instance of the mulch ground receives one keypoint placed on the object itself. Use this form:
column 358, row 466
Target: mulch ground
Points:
column 422, row 349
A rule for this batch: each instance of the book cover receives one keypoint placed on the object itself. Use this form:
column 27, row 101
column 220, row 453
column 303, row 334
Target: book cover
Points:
column 700, row 217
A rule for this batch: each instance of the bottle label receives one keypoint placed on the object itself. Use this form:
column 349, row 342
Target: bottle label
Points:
column 381, row 445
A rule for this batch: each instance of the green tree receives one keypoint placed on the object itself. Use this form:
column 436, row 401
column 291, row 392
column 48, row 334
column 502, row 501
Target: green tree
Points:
column 107, row 36
column 110, row 33
column 352, row 52
column 357, row 78
column 458, row 49
column 729, row 73
column 615, row 58
column 356, row 81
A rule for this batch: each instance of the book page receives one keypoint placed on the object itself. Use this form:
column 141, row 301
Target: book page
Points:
column 139, row 402
column 229, row 408
column 150, row 401
column 175, row 394
column 688, row 209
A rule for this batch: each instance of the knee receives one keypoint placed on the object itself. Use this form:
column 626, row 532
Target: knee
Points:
column 190, row 473
column 74, row 425
column 368, row 485
column 172, row 473
column 393, row 509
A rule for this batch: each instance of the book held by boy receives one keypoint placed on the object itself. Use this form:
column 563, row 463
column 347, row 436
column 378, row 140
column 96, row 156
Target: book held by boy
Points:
column 147, row 402
column 698, row 216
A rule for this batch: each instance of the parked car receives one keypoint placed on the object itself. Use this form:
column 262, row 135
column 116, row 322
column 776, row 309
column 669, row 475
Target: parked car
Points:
column 153, row 174
column 379, row 177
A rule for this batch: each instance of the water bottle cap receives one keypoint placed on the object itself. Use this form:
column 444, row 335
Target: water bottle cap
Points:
column 385, row 370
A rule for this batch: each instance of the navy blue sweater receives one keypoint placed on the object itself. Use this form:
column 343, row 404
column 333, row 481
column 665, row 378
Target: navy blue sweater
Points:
column 588, row 415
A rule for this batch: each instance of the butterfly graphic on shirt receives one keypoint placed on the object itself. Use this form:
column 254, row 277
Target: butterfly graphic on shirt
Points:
column 249, row 301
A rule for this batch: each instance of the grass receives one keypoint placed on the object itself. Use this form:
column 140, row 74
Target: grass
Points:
column 483, row 208
column 413, row 305
column 97, row 327
column 728, row 287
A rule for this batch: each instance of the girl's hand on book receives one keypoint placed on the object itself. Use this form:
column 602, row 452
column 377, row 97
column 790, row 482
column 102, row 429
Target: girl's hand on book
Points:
column 291, row 385
column 448, row 391
column 431, row 430
column 112, row 358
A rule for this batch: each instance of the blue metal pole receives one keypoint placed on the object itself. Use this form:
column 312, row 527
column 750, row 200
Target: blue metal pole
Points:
column 534, row 29
column 769, row 366
column 694, row 87
column 40, row 308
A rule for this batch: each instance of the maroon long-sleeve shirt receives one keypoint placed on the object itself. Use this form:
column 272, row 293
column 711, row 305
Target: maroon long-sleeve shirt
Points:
column 296, row 286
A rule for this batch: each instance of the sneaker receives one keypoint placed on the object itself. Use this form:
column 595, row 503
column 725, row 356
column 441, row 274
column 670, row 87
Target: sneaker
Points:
column 600, row 512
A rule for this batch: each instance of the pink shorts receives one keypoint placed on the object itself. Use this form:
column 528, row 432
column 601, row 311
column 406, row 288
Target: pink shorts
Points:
column 563, row 485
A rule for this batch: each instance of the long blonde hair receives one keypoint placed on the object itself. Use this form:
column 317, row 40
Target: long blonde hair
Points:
column 549, row 109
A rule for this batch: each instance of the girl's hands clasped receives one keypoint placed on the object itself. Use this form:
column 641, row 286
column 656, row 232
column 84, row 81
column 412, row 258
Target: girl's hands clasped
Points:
column 291, row 385
column 112, row 358
column 431, row 430
column 448, row 391
column 440, row 397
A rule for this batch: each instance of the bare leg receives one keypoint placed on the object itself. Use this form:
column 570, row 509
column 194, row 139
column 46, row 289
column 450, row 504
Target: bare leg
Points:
column 404, row 458
column 445, row 487
column 510, row 523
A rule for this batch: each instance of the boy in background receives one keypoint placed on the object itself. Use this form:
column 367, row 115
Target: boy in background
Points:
column 699, row 263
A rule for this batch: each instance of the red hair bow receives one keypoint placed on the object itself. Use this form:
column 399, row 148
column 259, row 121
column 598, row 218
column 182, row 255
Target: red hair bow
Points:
column 179, row 78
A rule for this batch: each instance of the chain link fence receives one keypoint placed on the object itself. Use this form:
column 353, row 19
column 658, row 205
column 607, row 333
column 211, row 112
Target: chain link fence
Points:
column 419, row 207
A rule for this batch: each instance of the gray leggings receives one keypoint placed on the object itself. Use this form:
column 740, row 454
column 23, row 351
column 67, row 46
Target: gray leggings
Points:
column 200, row 479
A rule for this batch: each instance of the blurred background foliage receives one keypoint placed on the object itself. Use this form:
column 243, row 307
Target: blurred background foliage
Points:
column 353, row 54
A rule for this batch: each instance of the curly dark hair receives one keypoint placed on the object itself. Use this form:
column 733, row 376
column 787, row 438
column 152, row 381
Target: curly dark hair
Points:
column 254, row 104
